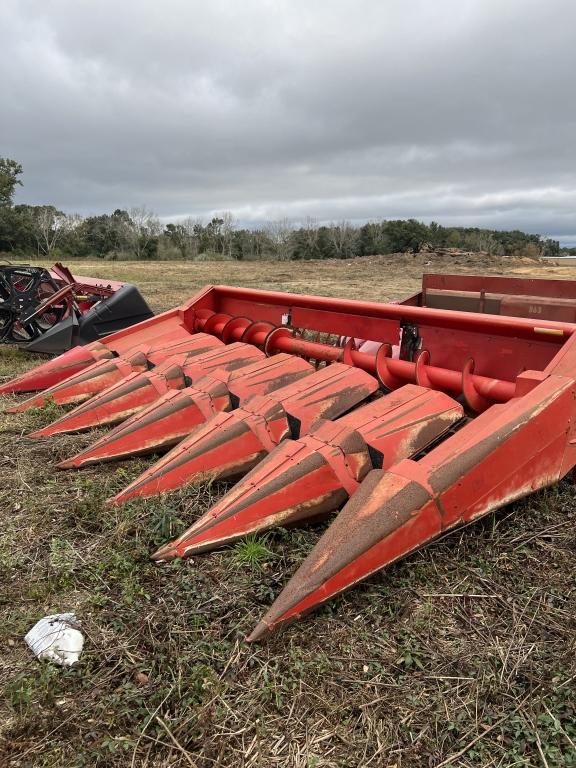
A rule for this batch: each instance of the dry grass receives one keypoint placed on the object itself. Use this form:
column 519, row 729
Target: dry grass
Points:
column 462, row 655
column 378, row 278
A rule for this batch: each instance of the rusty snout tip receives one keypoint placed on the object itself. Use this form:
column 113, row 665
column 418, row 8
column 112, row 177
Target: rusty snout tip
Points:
column 14, row 408
column 79, row 460
column 260, row 633
column 38, row 433
column 165, row 552
column 67, row 464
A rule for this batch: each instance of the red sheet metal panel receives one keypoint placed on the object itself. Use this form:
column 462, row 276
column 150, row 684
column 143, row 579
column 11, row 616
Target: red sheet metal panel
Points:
column 136, row 391
column 518, row 286
column 103, row 374
column 58, row 369
column 84, row 385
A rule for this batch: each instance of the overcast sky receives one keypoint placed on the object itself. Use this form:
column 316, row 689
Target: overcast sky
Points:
column 462, row 111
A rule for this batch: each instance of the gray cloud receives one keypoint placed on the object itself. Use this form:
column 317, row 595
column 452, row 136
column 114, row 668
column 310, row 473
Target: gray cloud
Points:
column 461, row 112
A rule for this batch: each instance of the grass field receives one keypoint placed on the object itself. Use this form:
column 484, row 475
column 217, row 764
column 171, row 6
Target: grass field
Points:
column 462, row 655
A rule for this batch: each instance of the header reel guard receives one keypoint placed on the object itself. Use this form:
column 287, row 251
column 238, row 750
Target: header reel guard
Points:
column 50, row 311
column 23, row 290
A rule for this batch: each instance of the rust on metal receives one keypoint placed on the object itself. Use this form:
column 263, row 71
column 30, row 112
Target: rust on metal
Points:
column 385, row 503
column 137, row 390
column 59, row 369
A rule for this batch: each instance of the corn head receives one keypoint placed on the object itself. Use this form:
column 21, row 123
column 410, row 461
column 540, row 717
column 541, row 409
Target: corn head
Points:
column 400, row 421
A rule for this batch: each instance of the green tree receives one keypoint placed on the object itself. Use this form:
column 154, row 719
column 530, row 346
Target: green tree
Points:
column 9, row 172
column 551, row 248
column 178, row 236
column 371, row 240
column 17, row 228
column 405, row 235
column 101, row 235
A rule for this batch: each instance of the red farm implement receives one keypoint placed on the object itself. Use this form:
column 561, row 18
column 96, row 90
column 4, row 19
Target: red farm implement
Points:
column 402, row 421
column 51, row 310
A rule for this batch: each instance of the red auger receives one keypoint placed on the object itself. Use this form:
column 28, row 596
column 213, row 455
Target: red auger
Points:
column 467, row 404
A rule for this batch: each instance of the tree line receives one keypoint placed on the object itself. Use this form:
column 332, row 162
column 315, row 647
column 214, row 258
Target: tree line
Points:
column 44, row 231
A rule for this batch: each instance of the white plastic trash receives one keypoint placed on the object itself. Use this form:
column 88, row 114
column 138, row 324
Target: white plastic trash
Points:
column 56, row 638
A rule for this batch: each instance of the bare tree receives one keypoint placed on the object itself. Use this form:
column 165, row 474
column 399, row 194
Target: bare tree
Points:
column 258, row 243
column 143, row 228
column 226, row 231
column 310, row 230
column 280, row 232
column 50, row 225
column 191, row 227
column 342, row 238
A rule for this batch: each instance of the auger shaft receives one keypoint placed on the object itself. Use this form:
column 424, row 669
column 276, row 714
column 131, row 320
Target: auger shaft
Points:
column 479, row 391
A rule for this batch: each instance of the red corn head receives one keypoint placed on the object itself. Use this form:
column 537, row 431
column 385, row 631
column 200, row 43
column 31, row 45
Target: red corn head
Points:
column 230, row 444
column 305, row 478
column 161, row 330
column 506, row 453
column 138, row 390
column 232, row 357
column 56, row 370
column 175, row 414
